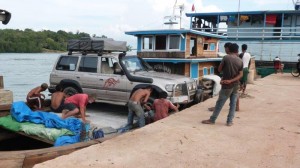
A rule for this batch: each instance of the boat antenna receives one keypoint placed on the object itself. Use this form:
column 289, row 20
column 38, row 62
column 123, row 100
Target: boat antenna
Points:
column 171, row 20
column 238, row 20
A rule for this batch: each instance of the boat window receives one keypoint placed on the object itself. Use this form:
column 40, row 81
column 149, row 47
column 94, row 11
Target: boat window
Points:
column 193, row 46
column 174, row 42
column 212, row 70
column 67, row 63
column 147, row 43
column 161, row 42
column 88, row 64
column 205, row 71
column 209, row 46
column 205, row 46
column 212, row 46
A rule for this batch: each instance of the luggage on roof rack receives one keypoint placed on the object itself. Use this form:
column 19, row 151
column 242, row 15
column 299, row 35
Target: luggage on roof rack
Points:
column 96, row 45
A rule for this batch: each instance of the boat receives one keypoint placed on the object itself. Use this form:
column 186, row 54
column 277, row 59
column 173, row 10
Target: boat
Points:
column 179, row 51
column 190, row 52
column 268, row 33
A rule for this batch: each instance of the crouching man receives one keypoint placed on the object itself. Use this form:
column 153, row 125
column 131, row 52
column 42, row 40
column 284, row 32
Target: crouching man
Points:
column 135, row 106
column 76, row 106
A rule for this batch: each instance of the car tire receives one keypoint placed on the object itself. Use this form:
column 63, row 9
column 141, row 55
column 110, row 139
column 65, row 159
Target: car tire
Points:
column 198, row 96
column 70, row 91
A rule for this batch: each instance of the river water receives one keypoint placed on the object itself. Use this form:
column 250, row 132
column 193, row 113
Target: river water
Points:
column 22, row 72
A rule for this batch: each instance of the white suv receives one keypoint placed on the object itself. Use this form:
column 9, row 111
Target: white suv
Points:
column 113, row 77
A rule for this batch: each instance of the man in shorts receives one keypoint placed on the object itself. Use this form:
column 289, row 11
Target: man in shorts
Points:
column 76, row 106
column 35, row 98
column 246, row 57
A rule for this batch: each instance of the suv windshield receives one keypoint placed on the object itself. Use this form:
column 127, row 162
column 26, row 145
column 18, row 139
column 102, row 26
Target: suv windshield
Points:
column 134, row 64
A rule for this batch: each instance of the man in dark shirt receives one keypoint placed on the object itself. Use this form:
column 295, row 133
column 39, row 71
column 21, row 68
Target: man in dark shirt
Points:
column 232, row 67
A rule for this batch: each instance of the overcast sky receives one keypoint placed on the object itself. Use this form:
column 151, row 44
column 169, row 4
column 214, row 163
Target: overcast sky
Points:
column 113, row 17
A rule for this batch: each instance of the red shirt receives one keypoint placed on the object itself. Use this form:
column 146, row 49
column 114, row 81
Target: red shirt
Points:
column 161, row 108
column 80, row 100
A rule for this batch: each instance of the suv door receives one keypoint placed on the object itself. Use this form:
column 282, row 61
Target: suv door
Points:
column 115, row 84
column 89, row 76
column 64, row 69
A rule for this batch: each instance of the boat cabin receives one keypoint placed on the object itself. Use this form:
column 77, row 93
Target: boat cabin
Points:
column 267, row 33
column 249, row 24
column 179, row 51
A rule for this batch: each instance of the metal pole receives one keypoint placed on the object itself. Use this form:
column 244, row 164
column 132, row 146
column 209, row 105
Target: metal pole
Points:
column 180, row 19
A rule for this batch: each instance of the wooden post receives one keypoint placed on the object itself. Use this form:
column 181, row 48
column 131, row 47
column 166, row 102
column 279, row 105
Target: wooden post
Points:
column 1, row 82
column 237, row 107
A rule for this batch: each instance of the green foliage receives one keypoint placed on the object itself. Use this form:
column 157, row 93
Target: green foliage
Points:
column 29, row 41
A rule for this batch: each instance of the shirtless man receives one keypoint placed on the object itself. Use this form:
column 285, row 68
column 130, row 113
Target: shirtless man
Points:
column 35, row 97
column 57, row 100
column 76, row 105
column 135, row 103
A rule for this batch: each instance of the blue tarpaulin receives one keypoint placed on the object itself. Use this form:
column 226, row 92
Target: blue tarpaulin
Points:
column 21, row 112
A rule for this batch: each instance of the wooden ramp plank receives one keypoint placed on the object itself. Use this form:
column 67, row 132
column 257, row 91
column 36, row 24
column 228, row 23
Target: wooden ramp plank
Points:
column 11, row 161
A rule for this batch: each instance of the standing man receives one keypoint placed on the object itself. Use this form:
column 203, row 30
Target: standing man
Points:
column 226, row 47
column 246, row 57
column 232, row 68
column 76, row 106
column 135, row 105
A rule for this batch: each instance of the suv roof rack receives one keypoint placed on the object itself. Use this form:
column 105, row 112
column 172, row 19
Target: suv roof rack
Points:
column 95, row 45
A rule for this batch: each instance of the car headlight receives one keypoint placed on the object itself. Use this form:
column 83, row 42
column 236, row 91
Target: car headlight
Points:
column 169, row 87
column 194, row 86
column 178, row 88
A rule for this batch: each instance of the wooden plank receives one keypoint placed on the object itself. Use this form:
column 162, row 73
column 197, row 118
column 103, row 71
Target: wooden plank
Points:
column 40, row 156
column 5, row 107
column 4, row 113
column 12, row 162
column 6, row 99
column 29, row 158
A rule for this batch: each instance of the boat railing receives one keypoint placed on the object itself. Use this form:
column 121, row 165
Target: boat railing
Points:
column 281, row 33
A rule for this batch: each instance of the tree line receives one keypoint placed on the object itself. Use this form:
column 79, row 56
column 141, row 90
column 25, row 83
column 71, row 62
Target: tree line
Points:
column 29, row 41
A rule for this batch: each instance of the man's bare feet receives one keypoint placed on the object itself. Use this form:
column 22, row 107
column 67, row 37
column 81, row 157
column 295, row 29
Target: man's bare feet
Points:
column 79, row 115
column 86, row 121
column 64, row 113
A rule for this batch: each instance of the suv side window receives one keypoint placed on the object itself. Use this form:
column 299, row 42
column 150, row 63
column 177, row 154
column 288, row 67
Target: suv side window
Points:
column 67, row 63
column 88, row 64
column 106, row 66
